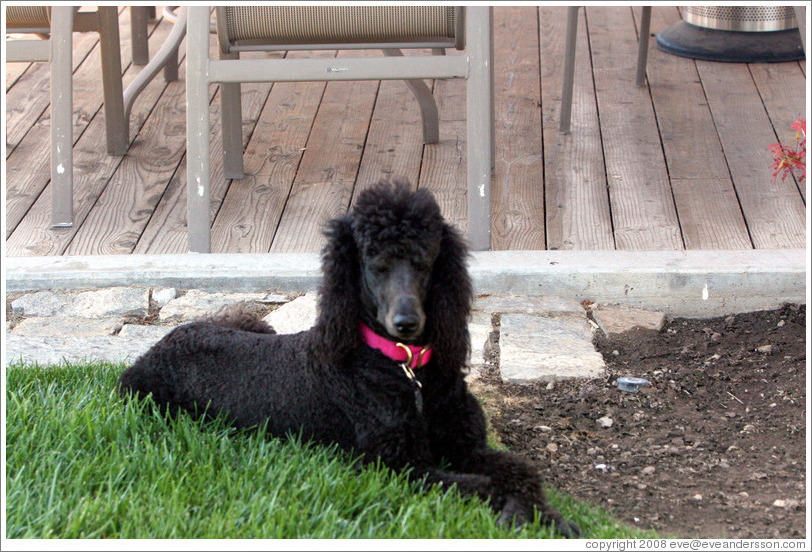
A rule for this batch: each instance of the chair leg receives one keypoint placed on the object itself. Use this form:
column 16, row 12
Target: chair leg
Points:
column 166, row 56
column 569, row 70
column 642, row 46
column 800, row 16
column 425, row 99
column 231, row 118
column 171, row 66
column 62, row 116
column 197, row 130
column 138, row 34
column 118, row 128
column 428, row 110
column 479, row 101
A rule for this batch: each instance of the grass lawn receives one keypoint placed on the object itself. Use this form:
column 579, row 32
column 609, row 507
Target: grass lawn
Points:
column 84, row 463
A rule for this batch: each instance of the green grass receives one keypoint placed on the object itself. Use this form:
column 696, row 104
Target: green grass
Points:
column 84, row 463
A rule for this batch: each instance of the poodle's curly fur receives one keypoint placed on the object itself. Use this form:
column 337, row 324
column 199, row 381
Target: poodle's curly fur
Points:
column 327, row 385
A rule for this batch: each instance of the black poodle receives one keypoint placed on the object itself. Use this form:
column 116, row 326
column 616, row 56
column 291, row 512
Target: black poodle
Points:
column 380, row 373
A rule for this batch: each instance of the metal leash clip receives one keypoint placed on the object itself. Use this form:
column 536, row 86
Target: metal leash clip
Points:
column 407, row 369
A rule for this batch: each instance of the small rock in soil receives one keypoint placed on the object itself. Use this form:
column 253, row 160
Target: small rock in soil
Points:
column 605, row 422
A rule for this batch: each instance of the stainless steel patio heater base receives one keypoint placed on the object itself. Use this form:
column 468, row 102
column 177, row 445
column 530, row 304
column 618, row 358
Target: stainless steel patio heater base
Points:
column 737, row 34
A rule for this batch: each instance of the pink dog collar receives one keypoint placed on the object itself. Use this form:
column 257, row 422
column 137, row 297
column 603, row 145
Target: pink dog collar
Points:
column 416, row 355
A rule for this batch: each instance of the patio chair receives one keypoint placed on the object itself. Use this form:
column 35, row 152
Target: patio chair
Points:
column 57, row 24
column 139, row 37
column 569, row 61
column 389, row 28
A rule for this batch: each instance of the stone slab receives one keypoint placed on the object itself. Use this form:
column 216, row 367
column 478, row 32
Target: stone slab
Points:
column 275, row 298
column 615, row 319
column 694, row 283
column 678, row 283
column 161, row 296
column 547, row 348
column 527, row 304
column 101, row 303
column 215, row 272
column 296, row 316
column 196, row 304
column 42, row 303
column 57, row 350
column 54, row 326
column 479, row 328
column 143, row 331
column 117, row 301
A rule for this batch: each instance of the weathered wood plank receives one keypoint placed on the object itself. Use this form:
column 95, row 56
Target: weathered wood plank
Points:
column 577, row 202
column 114, row 225
column 708, row 209
column 93, row 169
column 166, row 231
column 691, row 144
column 517, row 194
column 252, row 208
column 324, row 182
column 394, row 146
column 450, row 99
column 782, row 87
column 29, row 98
column 443, row 170
column 774, row 211
column 14, row 71
column 643, row 209
column 709, row 213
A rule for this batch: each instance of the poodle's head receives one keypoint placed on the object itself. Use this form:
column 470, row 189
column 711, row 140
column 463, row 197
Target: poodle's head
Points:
column 396, row 265
column 398, row 234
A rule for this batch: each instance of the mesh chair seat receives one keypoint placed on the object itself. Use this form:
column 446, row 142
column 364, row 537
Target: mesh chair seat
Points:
column 241, row 27
column 30, row 18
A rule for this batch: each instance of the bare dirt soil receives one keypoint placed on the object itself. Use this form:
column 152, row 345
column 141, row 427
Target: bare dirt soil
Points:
column 714, row 446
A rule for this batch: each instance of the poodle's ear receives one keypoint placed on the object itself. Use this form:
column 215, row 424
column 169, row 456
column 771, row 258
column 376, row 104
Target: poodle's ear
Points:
column 449, row 304
column 336, row 329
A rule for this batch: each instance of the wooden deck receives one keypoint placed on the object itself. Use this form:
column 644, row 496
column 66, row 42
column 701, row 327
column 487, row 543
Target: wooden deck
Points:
column 680, row 164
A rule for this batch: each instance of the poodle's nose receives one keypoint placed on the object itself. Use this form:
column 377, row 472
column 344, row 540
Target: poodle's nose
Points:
column 406, row 324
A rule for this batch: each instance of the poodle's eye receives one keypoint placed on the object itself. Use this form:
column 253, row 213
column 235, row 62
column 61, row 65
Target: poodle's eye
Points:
column 421, row 266
column 379, row 269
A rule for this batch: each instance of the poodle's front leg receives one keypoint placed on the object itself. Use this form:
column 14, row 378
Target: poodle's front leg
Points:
column 517, row 489
column 457, row 430
column 405, row 448
column 469, row 484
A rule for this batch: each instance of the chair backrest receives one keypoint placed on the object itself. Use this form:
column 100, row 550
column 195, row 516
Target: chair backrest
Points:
column 242, row 28
column 29, row 19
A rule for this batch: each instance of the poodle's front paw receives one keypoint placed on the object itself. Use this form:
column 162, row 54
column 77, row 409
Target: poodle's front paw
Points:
column 567, row 529
column 514, row 513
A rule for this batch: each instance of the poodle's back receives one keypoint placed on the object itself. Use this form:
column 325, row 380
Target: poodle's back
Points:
column 223, row 369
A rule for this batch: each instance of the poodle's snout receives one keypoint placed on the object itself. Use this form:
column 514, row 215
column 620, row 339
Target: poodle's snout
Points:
column 406, row 324
column 406, row 320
